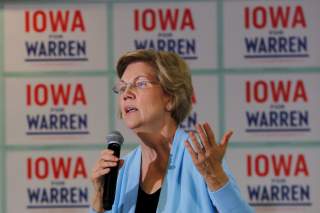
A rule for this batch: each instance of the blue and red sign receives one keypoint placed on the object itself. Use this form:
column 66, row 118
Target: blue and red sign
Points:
column 175, row 27
column 273, row 107
column 269, row 34
column 56, row 110
column 55, row 37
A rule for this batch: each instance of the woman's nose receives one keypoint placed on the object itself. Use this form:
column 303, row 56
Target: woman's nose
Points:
column 128, row 93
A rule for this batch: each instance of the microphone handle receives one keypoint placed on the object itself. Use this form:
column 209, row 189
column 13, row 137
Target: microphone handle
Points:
column 110, row 180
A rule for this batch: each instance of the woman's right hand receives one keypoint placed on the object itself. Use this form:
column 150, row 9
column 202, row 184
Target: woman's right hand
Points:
column 102, row 167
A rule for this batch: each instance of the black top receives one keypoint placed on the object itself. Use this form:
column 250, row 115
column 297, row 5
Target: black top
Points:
column 147, row 203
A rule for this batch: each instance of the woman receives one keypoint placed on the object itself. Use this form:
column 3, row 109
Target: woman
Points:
column 171, row 171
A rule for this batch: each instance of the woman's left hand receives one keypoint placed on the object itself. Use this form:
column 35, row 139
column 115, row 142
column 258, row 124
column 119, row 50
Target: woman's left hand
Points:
column 208, row 157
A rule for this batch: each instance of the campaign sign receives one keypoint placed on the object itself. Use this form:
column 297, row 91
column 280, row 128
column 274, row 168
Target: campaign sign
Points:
column 188, row 29
column 205, row 108
column 49, row 181
column 278, row 179
column 56, row 110
column 46, row 37
column 271, row 34
column 277, row 107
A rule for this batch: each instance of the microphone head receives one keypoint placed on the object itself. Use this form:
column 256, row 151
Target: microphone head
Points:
column 115, row 137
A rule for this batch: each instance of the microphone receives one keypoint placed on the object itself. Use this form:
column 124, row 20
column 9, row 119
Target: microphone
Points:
column 114, row 140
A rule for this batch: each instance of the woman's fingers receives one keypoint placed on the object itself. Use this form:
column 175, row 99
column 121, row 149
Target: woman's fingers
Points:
column 203, row 136
column 196, row 144
column 191, row 151
column 225, row 140
column 107, row 155
column 107, row 160
column 107, row 164
column 209, row 149
column 100, row 173
column 106, row 151
column 210, row 134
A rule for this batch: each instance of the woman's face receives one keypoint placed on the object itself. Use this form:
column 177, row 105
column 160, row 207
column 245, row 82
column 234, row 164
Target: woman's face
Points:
column 143, row 108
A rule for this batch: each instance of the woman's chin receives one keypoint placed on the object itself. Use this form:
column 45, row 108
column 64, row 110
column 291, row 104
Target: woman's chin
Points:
column 137, row 128
column 132, row 124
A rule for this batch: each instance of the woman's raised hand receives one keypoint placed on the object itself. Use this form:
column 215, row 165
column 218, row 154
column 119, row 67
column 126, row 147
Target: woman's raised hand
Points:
column 208, row 156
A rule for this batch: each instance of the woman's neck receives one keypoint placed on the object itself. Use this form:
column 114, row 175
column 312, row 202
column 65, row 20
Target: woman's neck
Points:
column 155, row 151
column 156, row 146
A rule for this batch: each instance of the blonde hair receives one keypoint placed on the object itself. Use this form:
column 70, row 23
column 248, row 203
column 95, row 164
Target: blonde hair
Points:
column 173, row 74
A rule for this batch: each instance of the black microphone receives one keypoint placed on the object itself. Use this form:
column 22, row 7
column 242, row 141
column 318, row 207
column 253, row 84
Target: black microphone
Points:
column 114, row 140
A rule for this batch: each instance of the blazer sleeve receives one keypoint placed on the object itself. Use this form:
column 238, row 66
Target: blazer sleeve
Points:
column 228, row 198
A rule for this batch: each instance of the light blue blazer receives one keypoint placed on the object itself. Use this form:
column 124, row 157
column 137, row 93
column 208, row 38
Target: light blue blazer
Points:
column 183, row 190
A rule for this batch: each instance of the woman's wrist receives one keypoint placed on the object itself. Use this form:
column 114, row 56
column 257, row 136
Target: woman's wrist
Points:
column 96, row 203
column 217, row 181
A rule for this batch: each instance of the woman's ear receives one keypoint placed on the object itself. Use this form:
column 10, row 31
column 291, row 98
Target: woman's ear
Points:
column 168, row 108
column 169, row 105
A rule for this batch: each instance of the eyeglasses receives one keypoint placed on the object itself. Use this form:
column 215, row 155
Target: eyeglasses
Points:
column 139, row 82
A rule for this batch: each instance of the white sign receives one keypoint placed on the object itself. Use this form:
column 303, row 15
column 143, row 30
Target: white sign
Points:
column 188, row 28
column 55, row 37
column 269, row 34
column 49, row 181
column 278, row 180
column 56, row 110
column 277, row 107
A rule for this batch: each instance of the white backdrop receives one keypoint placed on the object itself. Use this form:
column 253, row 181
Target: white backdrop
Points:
column 255, row 68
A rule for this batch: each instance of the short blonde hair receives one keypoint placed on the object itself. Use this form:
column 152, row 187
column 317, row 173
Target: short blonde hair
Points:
column 173, row 74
